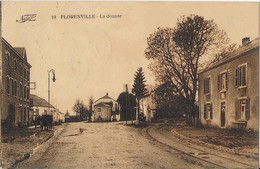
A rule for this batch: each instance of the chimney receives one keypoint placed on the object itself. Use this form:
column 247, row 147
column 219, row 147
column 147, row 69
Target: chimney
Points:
column 245, row 41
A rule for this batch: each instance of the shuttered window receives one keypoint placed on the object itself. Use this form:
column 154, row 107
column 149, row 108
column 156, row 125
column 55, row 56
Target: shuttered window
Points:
column 241, row 76
column 223, row 81
column 243, row 109
column 208, row 111
column 206, row 85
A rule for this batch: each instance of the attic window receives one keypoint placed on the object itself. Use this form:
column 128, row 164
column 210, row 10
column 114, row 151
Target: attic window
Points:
column 99, row 110
column 7, row 58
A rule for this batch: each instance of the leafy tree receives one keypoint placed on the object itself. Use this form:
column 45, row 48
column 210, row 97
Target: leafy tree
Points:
column 168, row 104
column 139, row 88
column 127, row 104
column 178, row 54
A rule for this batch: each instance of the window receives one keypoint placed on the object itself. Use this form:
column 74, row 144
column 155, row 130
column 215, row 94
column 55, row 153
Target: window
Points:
column 24, row 92
column 21, row 90
column 241, row 75
column 7, row 85
column 223, row 81
column 28, row 76
column 99, row 109
column 12, row 83
column 28, row 113
column 21, row 69
column 15, row 88
column 208, row 111
column 243, row 109
column 28, row 93
column 7, row 58
column 15, row 65
column 45, row 112
column 21, row 114
column 24, row 73
column 206, row 85
column 24, row 115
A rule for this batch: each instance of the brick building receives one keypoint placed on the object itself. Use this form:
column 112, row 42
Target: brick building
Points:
column 16, row 85
column 229, row 89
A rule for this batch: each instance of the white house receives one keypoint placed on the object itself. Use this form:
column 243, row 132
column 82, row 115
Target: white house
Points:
column 105, row 109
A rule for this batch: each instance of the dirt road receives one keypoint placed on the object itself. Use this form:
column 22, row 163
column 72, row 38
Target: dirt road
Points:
column 103, row 145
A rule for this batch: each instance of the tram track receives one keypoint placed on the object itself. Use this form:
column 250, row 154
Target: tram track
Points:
column 205, row 157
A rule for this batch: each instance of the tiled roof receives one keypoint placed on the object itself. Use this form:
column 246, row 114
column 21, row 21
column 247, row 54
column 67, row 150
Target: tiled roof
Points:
column 102, row 105
column 104, row 97
column 40, row 102
column 237, row 53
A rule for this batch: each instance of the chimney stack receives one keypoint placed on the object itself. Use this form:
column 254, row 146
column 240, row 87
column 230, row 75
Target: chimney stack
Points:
column 245, row 41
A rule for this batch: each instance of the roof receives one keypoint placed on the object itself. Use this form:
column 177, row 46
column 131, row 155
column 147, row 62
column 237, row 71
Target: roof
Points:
column 242, row 50
column 102, row 105
column 40, row 102
column 21, row 51
column 105, row 97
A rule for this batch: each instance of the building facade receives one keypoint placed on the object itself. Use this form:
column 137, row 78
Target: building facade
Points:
column 102, row 112
column 229, row 90
column 101, row 106
column 16, row 85
column 40, row 106
column 148, row 108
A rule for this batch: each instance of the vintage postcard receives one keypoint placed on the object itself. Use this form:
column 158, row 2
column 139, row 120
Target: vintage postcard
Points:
column 129, row 85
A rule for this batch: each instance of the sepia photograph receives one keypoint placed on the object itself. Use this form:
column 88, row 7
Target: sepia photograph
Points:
column 134, row 85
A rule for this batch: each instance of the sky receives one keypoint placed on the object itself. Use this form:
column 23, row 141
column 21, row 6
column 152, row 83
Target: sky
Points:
column 98, row 55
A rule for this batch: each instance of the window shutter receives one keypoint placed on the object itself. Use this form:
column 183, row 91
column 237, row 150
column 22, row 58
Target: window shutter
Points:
column 248, row 109
column 236, row 77
column 218, row 82
column 204, row 86
column 237, row 109
column 205, row 111
column 227, row 74
column 211, row 111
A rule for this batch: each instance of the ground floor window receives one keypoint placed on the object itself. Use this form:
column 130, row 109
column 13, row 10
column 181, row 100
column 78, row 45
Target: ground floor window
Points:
column 243, row 109
column 21, row 114
column 25, row 119
column 208, row 112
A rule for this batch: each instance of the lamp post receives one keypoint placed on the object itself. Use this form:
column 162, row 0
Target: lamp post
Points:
column 53, row 79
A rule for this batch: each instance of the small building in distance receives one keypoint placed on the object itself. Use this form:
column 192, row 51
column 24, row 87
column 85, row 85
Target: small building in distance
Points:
column 229, row 90
column 147, row 108
column 102, row 112
column 105, row 109
column 16, row 85
column 40, row 106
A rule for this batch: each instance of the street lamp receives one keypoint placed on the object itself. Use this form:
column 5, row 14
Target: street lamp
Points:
column 53, row 79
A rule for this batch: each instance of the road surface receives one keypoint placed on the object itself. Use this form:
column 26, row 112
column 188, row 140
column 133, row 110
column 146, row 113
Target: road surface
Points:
column 103, row 145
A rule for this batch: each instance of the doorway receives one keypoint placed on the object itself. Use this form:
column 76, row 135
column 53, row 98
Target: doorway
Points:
column 11, row 114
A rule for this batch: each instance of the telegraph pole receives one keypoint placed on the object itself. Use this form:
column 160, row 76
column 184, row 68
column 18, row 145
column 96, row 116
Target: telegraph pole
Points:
column 49, row 84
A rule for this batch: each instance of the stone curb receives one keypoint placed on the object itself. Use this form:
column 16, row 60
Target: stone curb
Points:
column 28, row 155
column 213, row 146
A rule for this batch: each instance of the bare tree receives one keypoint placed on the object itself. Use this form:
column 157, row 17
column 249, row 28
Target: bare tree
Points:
column 178, row 53
column 80, row 108
column 90, row 102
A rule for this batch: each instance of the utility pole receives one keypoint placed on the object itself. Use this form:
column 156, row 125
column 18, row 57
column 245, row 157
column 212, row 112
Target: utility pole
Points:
column 49, row 84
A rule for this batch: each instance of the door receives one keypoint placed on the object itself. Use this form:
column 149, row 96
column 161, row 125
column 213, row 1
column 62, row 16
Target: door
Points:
column 223, row 114
column 11, row 114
